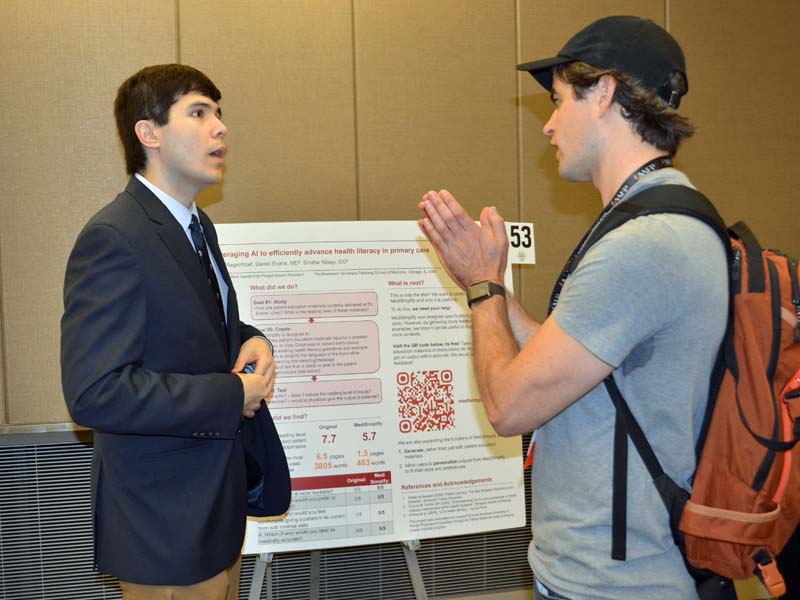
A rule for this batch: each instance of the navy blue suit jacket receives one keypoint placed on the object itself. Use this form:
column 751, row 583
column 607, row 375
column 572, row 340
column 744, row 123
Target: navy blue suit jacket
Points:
column 145, row 364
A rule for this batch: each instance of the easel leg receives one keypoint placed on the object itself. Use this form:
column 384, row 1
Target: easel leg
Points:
column 262, row 568
column 316, row 559
column 410, row 548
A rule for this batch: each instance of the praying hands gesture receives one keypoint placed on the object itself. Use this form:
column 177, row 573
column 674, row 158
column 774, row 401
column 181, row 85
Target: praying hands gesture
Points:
column 468, row 252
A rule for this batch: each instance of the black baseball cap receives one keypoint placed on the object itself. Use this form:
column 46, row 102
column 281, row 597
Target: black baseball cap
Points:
column 628, row 44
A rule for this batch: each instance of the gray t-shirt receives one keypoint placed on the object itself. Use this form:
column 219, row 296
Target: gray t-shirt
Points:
column 649, row 298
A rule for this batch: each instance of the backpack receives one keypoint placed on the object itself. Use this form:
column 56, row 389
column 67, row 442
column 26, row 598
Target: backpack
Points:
column 745, row 499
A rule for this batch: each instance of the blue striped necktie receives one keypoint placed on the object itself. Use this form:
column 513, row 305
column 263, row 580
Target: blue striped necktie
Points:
column 202, row 253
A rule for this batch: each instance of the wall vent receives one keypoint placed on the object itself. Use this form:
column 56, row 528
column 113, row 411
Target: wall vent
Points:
column 46, row 542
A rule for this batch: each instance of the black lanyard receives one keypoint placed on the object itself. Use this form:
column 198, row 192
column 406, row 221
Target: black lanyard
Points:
column 661, row 162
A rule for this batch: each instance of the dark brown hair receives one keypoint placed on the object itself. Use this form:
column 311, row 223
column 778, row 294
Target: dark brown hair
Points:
column 653, row 119
column 149, row 94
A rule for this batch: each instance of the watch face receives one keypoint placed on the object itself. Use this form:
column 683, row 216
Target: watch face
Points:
column 479, row 290
column 482, row 290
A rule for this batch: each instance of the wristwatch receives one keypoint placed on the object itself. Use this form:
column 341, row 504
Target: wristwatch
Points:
column 483, row 290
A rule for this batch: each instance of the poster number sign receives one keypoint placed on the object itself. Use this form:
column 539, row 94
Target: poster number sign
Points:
column 520, row 243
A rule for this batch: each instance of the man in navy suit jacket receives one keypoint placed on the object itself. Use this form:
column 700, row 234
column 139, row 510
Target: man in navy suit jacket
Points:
column 151, row 361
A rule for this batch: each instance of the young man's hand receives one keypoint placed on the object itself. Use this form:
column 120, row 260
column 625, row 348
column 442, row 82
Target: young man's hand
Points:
column 255, row 366
column 469, row 253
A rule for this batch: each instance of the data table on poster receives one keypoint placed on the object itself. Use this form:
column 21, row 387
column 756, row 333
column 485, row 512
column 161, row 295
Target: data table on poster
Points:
column 375, row 399
column 332, row 507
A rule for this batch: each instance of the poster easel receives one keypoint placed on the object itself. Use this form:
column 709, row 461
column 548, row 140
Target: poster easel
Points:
column 263, row 570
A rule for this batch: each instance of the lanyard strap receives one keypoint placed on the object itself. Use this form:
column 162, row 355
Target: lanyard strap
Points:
column 661, row 162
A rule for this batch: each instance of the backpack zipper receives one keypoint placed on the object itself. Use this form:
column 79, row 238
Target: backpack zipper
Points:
column 736, row 270
column 792, row 262
column 774, row 291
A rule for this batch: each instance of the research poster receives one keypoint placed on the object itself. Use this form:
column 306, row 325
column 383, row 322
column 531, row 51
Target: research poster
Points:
column 375, row 397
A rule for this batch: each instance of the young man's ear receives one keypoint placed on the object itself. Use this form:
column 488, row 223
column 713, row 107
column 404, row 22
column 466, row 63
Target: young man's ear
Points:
column 148, row 133
column 605, row 87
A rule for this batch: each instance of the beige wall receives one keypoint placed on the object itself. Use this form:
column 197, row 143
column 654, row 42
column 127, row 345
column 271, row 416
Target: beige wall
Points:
column 744, row 89
column 62, row 63
column 351, row 109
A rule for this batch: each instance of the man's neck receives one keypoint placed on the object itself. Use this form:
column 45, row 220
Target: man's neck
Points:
column 623, row 153
column 618, row 167
column 169, row 185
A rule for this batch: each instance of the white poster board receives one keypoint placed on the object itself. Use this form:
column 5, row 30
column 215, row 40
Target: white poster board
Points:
column 375, row 399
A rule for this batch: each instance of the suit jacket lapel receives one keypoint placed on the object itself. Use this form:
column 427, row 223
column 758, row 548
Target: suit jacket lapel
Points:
column 176, row 241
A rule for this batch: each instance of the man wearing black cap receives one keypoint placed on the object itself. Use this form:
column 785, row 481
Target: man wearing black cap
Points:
column 643, row 304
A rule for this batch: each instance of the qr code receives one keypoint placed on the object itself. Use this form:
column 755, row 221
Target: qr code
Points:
column 425, row 401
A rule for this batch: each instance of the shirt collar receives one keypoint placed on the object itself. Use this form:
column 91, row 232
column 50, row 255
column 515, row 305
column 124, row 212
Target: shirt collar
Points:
column 182, row 214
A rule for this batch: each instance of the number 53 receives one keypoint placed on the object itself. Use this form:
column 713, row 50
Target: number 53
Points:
column 520, row 235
